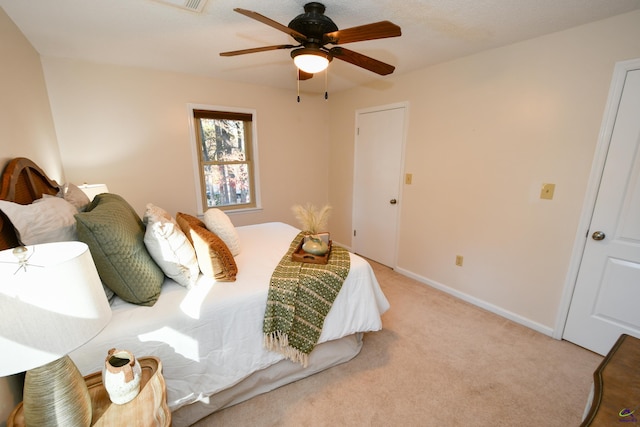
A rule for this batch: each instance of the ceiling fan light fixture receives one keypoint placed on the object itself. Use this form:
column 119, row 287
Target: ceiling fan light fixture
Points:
column 311, row 60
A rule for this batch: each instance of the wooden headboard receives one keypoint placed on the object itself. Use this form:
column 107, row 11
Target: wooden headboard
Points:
column 22, row 181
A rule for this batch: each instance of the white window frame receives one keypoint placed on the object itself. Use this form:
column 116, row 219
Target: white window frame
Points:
column 196, row 159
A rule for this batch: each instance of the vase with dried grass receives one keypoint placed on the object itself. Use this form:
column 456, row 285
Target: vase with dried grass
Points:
column 313, row 221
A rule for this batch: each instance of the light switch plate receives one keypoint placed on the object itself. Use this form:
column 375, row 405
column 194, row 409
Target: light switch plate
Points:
column 408, row 178
column 547, row 191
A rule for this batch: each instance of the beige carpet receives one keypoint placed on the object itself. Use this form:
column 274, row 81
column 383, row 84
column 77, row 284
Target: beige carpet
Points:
column 438, row 362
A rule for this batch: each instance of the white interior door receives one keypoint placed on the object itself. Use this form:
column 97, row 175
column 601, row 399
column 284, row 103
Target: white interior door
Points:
column 377, row 182
column 607, row 292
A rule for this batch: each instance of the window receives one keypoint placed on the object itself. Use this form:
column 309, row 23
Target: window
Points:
column 225, row 144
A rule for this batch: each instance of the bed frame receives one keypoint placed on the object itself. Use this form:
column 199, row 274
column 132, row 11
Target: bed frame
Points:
column 22, row 181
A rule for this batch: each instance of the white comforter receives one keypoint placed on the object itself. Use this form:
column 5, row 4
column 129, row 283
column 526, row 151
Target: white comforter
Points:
column 210, row 337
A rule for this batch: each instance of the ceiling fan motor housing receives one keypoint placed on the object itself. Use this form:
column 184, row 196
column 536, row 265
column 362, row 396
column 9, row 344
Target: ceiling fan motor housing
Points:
column 313, row 30
column 313, row 23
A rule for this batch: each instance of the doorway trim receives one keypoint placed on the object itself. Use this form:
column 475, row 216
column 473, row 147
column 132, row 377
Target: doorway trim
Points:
column 597, row 168
column 403, row 144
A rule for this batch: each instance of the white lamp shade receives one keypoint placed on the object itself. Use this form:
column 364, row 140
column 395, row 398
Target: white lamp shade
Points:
column 92, row 190
column 50, row 306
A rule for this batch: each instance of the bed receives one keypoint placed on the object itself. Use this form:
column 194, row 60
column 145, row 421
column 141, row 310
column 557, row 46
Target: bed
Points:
column 209, row 336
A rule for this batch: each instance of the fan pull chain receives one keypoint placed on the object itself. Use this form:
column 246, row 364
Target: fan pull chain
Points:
column 326, row 92
column 298, row 82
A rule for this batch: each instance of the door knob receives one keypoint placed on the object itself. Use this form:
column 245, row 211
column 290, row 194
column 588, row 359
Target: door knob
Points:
column 393, row 201
column 598, row 235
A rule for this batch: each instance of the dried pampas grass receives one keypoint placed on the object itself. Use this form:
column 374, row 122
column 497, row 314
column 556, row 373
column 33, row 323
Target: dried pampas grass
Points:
column 312, row 220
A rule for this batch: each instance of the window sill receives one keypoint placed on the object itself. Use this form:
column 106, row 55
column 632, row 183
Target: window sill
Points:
column 239, row 211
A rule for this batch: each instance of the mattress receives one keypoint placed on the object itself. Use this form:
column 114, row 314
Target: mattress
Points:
column 209, row 337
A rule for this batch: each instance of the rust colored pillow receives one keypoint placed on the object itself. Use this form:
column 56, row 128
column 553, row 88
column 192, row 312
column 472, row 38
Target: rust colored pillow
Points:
column 214, row 257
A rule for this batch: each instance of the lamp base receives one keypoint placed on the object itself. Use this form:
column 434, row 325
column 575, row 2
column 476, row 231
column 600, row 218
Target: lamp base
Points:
column 56, row 395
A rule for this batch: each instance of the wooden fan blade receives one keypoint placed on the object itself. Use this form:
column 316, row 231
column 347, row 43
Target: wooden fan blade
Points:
column 303, row 75
column 377, row 30
column 257, row 49
column 270, row 22
column 361, row 60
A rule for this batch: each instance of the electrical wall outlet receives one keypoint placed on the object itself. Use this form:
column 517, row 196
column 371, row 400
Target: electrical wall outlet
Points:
column 459, row 259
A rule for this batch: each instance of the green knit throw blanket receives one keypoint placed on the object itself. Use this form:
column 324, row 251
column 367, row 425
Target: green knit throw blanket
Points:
column 300, row 296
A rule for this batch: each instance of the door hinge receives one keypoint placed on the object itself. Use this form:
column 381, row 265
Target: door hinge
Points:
column 354, row 233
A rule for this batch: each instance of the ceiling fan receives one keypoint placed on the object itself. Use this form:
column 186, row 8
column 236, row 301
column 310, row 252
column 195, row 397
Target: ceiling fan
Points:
column 313, row 30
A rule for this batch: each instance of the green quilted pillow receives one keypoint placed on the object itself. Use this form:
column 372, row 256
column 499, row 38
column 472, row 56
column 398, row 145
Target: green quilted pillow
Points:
column 115, row 235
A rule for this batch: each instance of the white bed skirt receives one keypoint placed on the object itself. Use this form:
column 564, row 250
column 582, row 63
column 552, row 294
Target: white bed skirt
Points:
column 324, row 356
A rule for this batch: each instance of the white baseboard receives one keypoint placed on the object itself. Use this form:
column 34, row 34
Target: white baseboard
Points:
column 480, row 303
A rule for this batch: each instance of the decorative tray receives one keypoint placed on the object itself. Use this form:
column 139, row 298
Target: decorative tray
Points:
column 301, row 256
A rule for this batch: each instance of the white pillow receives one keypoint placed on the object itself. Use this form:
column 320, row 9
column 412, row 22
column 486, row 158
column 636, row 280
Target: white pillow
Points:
column 219, row 223
column 169, row 247
column 46, row 220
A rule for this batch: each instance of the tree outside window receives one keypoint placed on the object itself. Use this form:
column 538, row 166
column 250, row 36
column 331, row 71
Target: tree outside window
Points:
column 225, row 157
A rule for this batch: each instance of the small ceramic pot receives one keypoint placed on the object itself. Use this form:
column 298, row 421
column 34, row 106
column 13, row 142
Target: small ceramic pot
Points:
column 315, row 245
column 121, row 376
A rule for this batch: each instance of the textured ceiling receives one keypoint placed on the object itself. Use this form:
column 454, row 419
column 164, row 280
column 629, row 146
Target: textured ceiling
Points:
column 148, row 33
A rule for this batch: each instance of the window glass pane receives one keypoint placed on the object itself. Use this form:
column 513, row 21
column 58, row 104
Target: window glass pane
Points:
column 225, row 143
column 222, row 140
column 227, row 184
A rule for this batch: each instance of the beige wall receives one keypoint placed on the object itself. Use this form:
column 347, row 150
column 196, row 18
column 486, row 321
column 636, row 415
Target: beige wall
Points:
column 26, row 125
column 26, row 130
column 484, row 133
column 128, row 127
